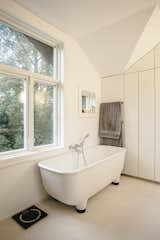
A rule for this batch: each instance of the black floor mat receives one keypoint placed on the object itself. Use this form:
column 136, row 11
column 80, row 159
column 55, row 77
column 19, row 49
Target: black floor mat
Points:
column 29, row 216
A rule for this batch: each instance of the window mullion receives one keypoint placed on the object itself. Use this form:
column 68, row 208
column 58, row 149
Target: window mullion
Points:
column 55, row 117
column 31, row 114
column 60, row 97
column 26, row 112
column 60, row 115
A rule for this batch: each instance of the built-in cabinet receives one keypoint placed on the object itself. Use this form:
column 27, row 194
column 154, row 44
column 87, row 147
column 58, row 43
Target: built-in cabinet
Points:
column 146, row 124
column 139, row 89
column 131, row 123
column 142, row 123
column 157, row 123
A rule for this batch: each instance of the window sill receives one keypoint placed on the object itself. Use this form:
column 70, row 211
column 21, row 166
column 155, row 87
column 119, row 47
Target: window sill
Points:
column 8, row 160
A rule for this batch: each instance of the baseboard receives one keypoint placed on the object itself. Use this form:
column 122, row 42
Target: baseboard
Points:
column 140, row 178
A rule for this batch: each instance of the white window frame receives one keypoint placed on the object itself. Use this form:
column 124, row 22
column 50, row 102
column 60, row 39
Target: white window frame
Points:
column 30, row 78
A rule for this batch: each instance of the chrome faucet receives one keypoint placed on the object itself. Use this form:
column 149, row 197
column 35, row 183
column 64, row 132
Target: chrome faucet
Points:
column 79, row 148
column 83, row 140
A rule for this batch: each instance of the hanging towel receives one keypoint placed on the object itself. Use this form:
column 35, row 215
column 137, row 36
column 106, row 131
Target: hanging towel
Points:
column 110, row 124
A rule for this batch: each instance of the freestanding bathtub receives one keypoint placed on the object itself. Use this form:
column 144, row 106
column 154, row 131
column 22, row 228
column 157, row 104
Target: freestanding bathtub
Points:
column 73, row 181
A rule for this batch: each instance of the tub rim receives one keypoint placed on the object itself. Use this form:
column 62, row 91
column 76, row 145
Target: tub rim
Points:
column 41, row 166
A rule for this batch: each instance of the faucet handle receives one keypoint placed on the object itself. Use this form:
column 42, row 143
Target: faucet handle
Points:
column 73, row 146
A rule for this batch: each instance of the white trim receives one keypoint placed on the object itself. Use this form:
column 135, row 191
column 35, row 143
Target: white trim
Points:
column 26, row 108
column 7, row 154
column 24, row 73
column 28, row 29
column 56, row 118
column 31, row 114
column 60, row 96
column 19, row 157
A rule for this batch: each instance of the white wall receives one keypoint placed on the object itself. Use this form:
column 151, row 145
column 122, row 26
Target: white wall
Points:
column 20, row 184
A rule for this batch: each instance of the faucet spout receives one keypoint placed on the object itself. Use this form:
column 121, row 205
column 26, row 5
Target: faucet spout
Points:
column 84, row 138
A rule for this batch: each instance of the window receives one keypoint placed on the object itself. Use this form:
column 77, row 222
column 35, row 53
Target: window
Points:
column 11, row 113
column 19, row 50
column 29, row 91
column 44, row 114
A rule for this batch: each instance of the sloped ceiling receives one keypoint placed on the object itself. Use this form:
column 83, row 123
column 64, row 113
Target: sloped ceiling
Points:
column 107, row 31
column 149, row 38
column 110, row 48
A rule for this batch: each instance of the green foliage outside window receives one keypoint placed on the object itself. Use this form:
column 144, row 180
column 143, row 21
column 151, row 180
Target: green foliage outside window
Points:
column 43, row 114
column 22, row 51
column 11, row 113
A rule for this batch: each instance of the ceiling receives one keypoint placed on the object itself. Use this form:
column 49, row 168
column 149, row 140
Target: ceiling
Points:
column 106, row 30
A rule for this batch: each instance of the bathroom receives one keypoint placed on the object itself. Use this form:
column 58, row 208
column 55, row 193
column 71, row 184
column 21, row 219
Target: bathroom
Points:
column 104, row 52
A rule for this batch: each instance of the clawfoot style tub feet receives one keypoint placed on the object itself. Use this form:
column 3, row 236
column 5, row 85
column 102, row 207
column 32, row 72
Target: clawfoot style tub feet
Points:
column 81, row 208
column 116, row 181
column 80, row 211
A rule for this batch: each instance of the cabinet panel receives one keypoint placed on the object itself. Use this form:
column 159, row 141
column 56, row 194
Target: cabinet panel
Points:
column 146, row 124
column 112, row 89
column 157, row 56
column 157, row 160
column 131, row 123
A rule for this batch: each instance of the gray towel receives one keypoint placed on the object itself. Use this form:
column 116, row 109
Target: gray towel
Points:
column 110, row 124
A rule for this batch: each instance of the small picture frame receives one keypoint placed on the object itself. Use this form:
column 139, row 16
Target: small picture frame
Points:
column 87, row 103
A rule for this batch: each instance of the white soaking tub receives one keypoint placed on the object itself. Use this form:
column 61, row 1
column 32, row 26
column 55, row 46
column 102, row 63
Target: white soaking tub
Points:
column 74, row 181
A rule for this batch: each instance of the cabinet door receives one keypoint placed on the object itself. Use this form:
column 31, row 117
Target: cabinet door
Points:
column 157, row 160
column 146, row 124
column 157, row 56
column 112, row 89
column 131, row 123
